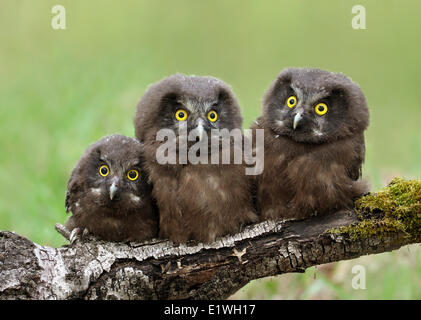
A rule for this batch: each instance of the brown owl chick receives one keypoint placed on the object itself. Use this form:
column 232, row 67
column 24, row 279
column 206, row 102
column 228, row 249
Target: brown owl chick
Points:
column 109, row 194
column 314, row 124
column 196, row 201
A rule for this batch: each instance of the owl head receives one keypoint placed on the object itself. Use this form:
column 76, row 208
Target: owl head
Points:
column 109, row 174
column 314, row 106
column 184, row 103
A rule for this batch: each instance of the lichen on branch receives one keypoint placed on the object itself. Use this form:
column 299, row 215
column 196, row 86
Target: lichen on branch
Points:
column 394, row 209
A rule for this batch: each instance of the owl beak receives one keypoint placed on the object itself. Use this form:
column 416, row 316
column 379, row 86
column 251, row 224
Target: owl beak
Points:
column 200, row 129
column 200, row 132
column 297, row 119
column 113, row 190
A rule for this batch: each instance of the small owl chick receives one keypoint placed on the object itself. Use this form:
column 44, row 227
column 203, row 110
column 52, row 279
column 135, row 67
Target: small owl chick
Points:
column 109, row 194
column 314, row 124
column 196, row 201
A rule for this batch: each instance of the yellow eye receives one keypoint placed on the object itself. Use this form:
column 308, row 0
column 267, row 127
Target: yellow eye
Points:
column 104, row 170
column 133, row 174
column 212, row 116
column 291, row 101
column 321, row 109
column 181, row 114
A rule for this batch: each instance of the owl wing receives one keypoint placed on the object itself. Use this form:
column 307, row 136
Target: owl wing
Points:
column 72, row 191
column 68, row 203
column 355, row 169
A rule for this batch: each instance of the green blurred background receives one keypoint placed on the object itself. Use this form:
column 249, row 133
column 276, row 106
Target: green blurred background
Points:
column 61, row 90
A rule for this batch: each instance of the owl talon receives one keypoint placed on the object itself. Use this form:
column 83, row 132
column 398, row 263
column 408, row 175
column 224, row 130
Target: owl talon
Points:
column 85, row 233
column 75, row 235
column 78, row 234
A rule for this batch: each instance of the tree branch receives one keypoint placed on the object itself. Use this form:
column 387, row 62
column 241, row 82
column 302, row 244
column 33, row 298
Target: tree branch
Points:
column 94, row 269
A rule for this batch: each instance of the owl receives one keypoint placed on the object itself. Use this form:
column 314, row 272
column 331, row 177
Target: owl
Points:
column 108, row 193
column 197, row 201
column 314, row 148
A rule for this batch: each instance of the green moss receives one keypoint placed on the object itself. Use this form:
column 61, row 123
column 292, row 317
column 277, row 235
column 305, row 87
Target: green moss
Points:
column 394, row 209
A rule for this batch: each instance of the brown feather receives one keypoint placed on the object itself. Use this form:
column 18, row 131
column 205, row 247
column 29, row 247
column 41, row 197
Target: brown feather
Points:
column 307, row 174
column 196, row 202
column 132, row 214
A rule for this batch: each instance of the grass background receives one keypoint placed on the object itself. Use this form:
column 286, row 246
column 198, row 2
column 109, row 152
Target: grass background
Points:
column 61, row 90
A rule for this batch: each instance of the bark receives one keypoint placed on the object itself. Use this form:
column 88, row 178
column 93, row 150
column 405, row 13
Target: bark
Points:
column 94, row 269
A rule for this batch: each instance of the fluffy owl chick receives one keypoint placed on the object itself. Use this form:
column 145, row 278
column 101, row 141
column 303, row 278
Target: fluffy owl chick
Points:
column 196, row 201
column 108, row 192
column 314, row 124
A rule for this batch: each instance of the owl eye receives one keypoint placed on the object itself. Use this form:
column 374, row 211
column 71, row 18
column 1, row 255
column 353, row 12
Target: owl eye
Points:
column 291, row 101
column 133, row 175
column 321, row 109
column 181, row 115
column 212, row 116
column 104, row 170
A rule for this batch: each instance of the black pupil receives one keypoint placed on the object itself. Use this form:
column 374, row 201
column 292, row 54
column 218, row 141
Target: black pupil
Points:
column 181, row 114
column 104, row 170
column 132, row 174
column 321, row 108
column 291, row 101
column 212, row 115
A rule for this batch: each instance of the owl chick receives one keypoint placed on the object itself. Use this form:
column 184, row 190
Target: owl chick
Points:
column 196, row 201
column 314, row 124
column 109, row 194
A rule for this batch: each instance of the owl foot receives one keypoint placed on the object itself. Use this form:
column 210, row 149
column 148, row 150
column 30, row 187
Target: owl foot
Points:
column 78, row 234
column 71, row 236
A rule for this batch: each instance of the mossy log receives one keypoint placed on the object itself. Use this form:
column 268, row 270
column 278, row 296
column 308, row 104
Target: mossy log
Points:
column 93, row 269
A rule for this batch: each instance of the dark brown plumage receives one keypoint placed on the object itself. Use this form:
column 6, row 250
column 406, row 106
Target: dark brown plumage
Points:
column 109, row 194
column 314, row 144
column 196, row 201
